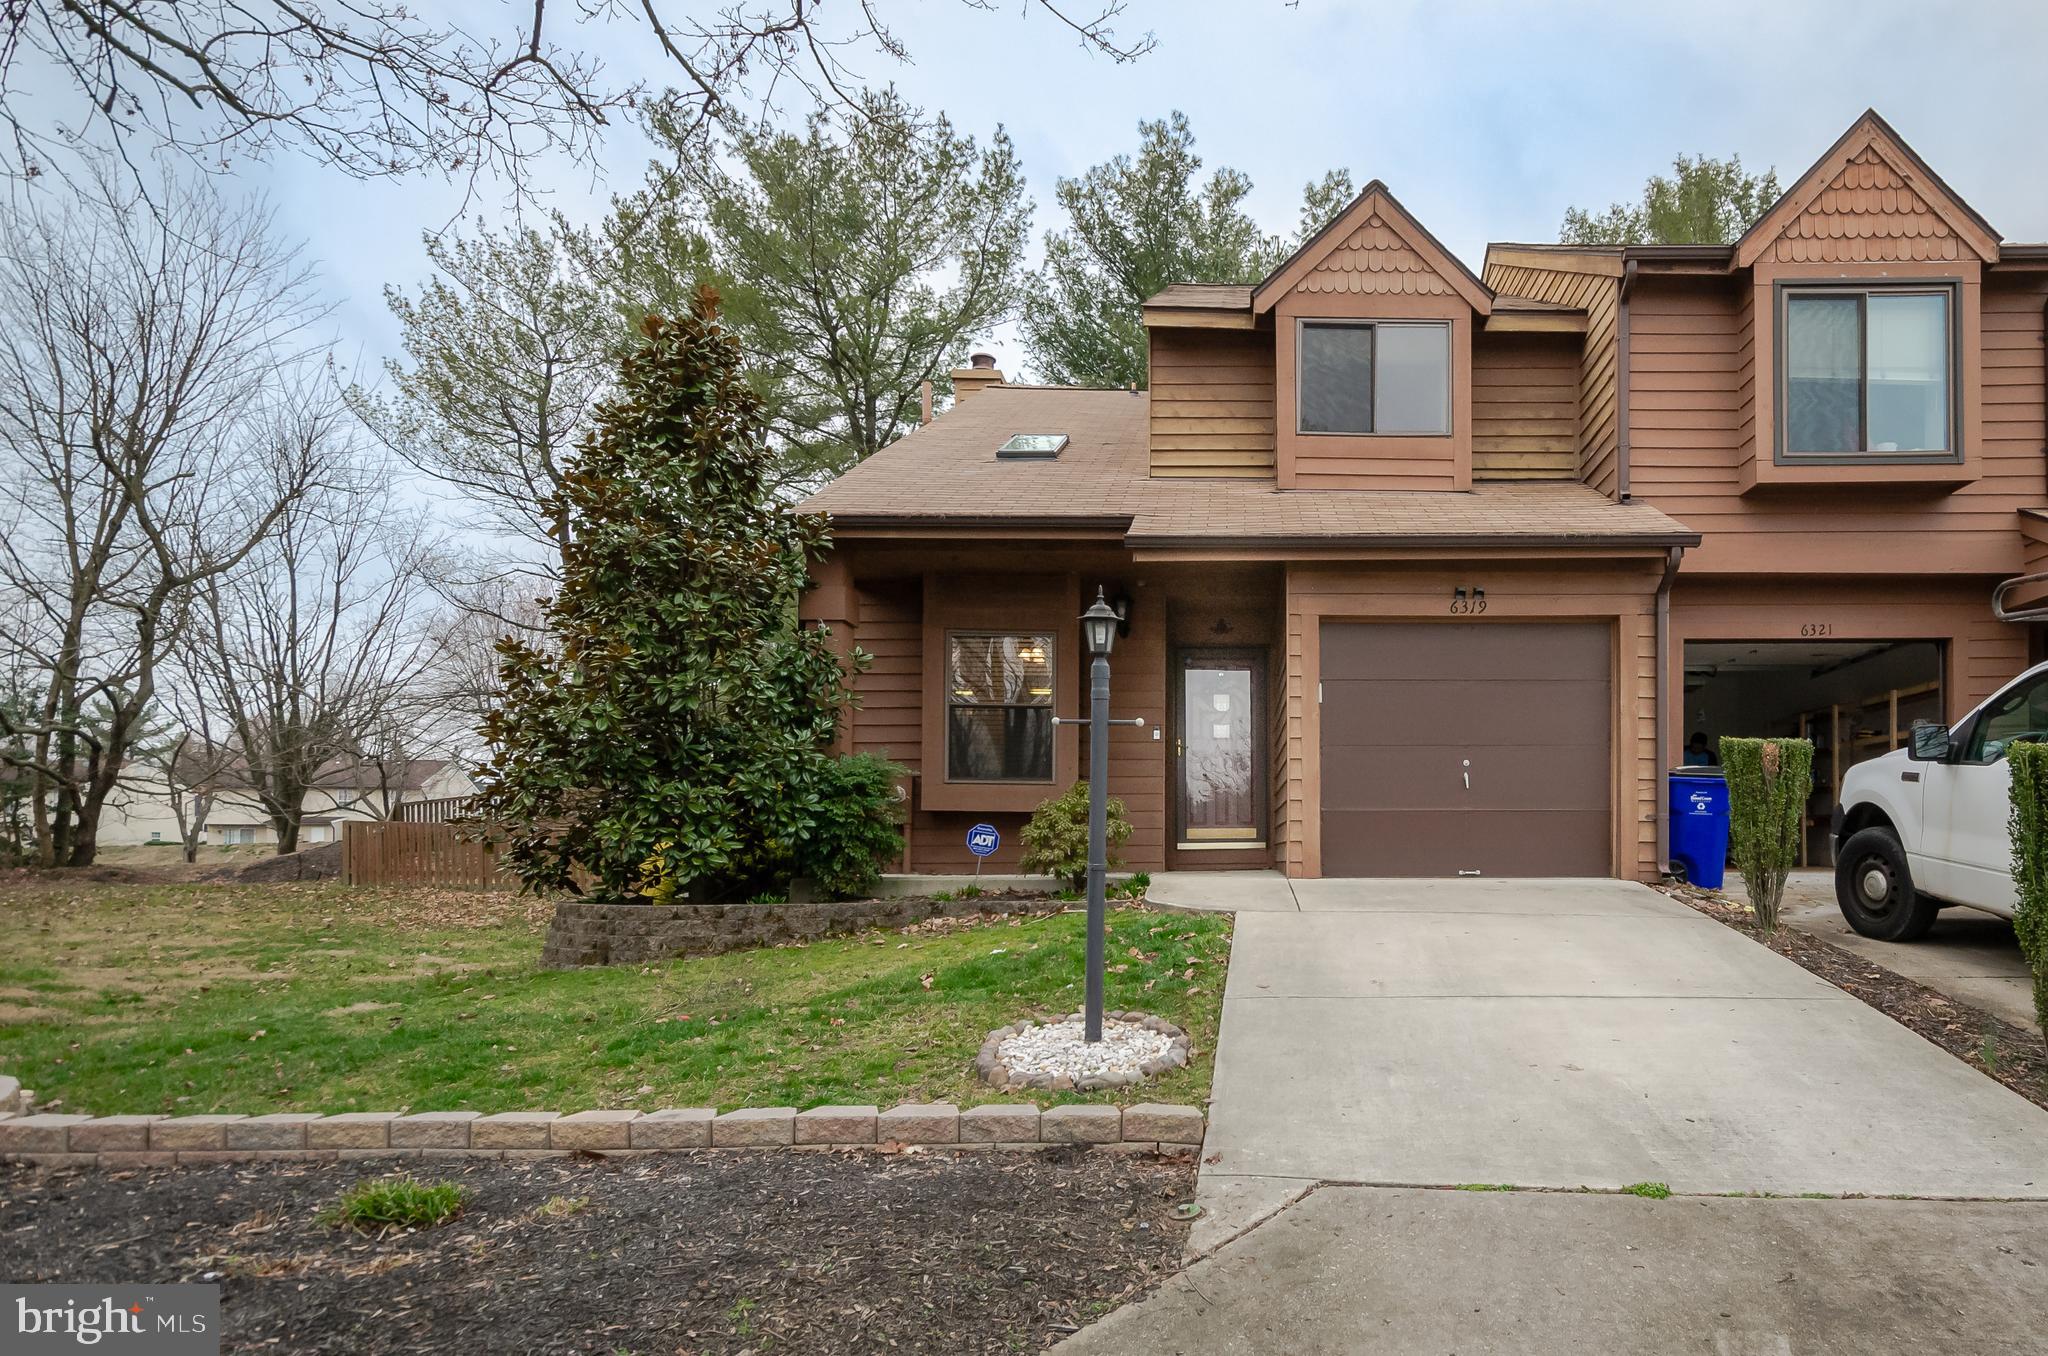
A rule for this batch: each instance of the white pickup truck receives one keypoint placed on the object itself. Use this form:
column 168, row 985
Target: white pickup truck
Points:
column 1924, row 827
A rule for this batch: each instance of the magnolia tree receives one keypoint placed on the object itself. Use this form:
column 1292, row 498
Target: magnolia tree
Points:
column 666, row 735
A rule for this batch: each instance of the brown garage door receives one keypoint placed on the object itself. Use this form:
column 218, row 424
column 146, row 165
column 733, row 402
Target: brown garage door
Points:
column 1460, row 749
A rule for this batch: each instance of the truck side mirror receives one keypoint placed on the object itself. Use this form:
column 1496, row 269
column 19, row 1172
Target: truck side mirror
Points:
column 1930, row 744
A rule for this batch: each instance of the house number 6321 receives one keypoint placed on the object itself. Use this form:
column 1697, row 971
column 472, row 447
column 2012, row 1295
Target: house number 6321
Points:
column 1811, row 629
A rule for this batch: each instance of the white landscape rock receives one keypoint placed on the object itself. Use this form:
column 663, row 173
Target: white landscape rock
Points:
column 1058, row 1054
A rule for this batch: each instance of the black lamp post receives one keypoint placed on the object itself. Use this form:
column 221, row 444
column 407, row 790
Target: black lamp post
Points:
column 1098, row 627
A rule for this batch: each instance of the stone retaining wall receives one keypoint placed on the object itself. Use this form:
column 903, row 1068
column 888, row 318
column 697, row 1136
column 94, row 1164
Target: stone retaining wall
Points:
column 160, row 1141
column 583, row 933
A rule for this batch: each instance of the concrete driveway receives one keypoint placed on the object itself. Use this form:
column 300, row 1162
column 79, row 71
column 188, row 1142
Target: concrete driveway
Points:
column 1564, row 1034
column 1363, row 1271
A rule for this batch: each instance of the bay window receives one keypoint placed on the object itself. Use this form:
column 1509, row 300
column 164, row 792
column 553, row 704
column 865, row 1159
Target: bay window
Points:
column 1869, row 373
column 999, row 706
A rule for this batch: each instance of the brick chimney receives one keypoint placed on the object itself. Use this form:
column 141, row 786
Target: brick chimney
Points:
column 971, row 380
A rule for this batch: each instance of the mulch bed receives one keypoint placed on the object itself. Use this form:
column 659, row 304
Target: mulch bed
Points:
column 2018, row 1057
column 725, row 1253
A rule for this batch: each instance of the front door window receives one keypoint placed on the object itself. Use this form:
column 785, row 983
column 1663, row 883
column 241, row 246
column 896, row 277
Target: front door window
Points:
column 1218, row 750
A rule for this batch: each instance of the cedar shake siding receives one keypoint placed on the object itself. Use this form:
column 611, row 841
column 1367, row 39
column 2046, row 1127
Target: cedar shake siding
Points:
column 1212, row 403
column 1525, row 407
column 1592, row 284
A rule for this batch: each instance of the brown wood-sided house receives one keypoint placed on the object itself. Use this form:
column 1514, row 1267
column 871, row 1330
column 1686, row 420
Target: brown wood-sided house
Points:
column 1429, row 573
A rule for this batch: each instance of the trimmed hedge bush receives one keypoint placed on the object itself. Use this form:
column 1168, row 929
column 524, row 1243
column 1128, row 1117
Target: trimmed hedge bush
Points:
column 856, row 826
column 1768, row 783
column 1056, row 838
column 2029, row 828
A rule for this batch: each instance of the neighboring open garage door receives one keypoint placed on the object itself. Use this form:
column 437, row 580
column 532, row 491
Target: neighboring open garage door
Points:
column 1855, row 699
column 1461, row 749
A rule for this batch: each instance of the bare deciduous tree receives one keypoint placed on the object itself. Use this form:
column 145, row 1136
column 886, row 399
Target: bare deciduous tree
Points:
column 140, row 354
column 375, row 88
column 308, row 648
column 189, row 764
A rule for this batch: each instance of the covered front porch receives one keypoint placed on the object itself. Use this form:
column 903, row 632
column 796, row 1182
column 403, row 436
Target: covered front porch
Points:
column 969, row 664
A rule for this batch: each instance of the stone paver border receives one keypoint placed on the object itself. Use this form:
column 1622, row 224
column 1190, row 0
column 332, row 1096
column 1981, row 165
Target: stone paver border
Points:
column 159, row 1141
column 989, row 1066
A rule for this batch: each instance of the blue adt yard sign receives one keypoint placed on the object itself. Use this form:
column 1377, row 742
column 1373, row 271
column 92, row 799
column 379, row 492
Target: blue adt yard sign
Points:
column 983, row 840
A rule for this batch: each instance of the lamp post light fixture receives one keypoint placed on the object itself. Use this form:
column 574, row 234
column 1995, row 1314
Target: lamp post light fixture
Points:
column 1099, row 625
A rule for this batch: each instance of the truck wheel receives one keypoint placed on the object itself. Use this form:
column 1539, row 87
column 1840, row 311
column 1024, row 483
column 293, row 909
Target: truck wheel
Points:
column 1874, row 888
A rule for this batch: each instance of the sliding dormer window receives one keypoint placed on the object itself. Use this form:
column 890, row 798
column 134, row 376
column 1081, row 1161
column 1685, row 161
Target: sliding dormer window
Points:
column 1367, row 377
column 1868, row 374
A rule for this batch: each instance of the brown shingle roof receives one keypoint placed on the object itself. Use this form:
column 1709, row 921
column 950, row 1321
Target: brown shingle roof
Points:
column 946, row 474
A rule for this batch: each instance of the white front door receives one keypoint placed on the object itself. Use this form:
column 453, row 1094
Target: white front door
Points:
column 1969, row 800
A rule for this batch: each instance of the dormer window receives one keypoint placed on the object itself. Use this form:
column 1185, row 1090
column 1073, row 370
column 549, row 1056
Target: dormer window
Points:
column 1868, row 373
column 1374, row 377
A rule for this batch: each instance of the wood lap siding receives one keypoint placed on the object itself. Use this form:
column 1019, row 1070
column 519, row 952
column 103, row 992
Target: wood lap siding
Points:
column 1525, row 407
column 1691, row 426
column 1137, row 761
column 1212, row 403
column 1599, row 403
column 887, row 721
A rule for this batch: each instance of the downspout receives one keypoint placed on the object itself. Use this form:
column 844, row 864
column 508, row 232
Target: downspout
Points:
column 1628, row 283
column 1663, row 806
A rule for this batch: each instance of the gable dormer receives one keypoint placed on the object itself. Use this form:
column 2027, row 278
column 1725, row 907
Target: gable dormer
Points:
column 1372, row 321
column 1863, row 316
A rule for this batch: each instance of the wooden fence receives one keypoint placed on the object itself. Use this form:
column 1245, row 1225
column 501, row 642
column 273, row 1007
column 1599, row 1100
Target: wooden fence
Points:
column 437, row 811
column 418, row 854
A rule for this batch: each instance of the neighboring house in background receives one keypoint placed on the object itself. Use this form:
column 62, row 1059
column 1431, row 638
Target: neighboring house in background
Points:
column 140, row 810
column 1435, row 573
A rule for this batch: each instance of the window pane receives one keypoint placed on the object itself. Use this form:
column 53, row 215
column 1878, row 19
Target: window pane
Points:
column 992, row 670
column 1823, row 367
column 999, row 743
column 2014, row 716
column 1414, row 377
column 1336, row 379
column 1908, row 363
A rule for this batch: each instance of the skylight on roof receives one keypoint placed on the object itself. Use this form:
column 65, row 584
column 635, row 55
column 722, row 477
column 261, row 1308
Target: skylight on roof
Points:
column 1032, row 446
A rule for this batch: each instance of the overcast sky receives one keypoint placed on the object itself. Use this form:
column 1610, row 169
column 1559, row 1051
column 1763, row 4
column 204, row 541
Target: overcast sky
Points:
column 1487, row 120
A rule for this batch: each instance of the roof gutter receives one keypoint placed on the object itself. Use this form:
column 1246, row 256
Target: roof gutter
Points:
column 1649, row 542
column 1723, row 255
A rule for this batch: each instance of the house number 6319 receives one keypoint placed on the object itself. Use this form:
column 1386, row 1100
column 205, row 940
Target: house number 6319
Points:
column 1467, row 606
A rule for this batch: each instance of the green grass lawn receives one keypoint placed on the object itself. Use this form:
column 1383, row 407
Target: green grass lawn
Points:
column 195, row 998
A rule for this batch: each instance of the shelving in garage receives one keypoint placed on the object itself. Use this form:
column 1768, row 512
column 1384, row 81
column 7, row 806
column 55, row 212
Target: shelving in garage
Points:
column 1855, row 700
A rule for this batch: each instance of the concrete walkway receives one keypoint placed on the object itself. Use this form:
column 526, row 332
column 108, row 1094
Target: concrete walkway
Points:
column 1355, row 1271
column 1566, row 1034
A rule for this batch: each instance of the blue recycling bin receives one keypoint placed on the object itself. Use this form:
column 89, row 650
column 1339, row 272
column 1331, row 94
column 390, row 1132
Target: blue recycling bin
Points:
column 1699, row 824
